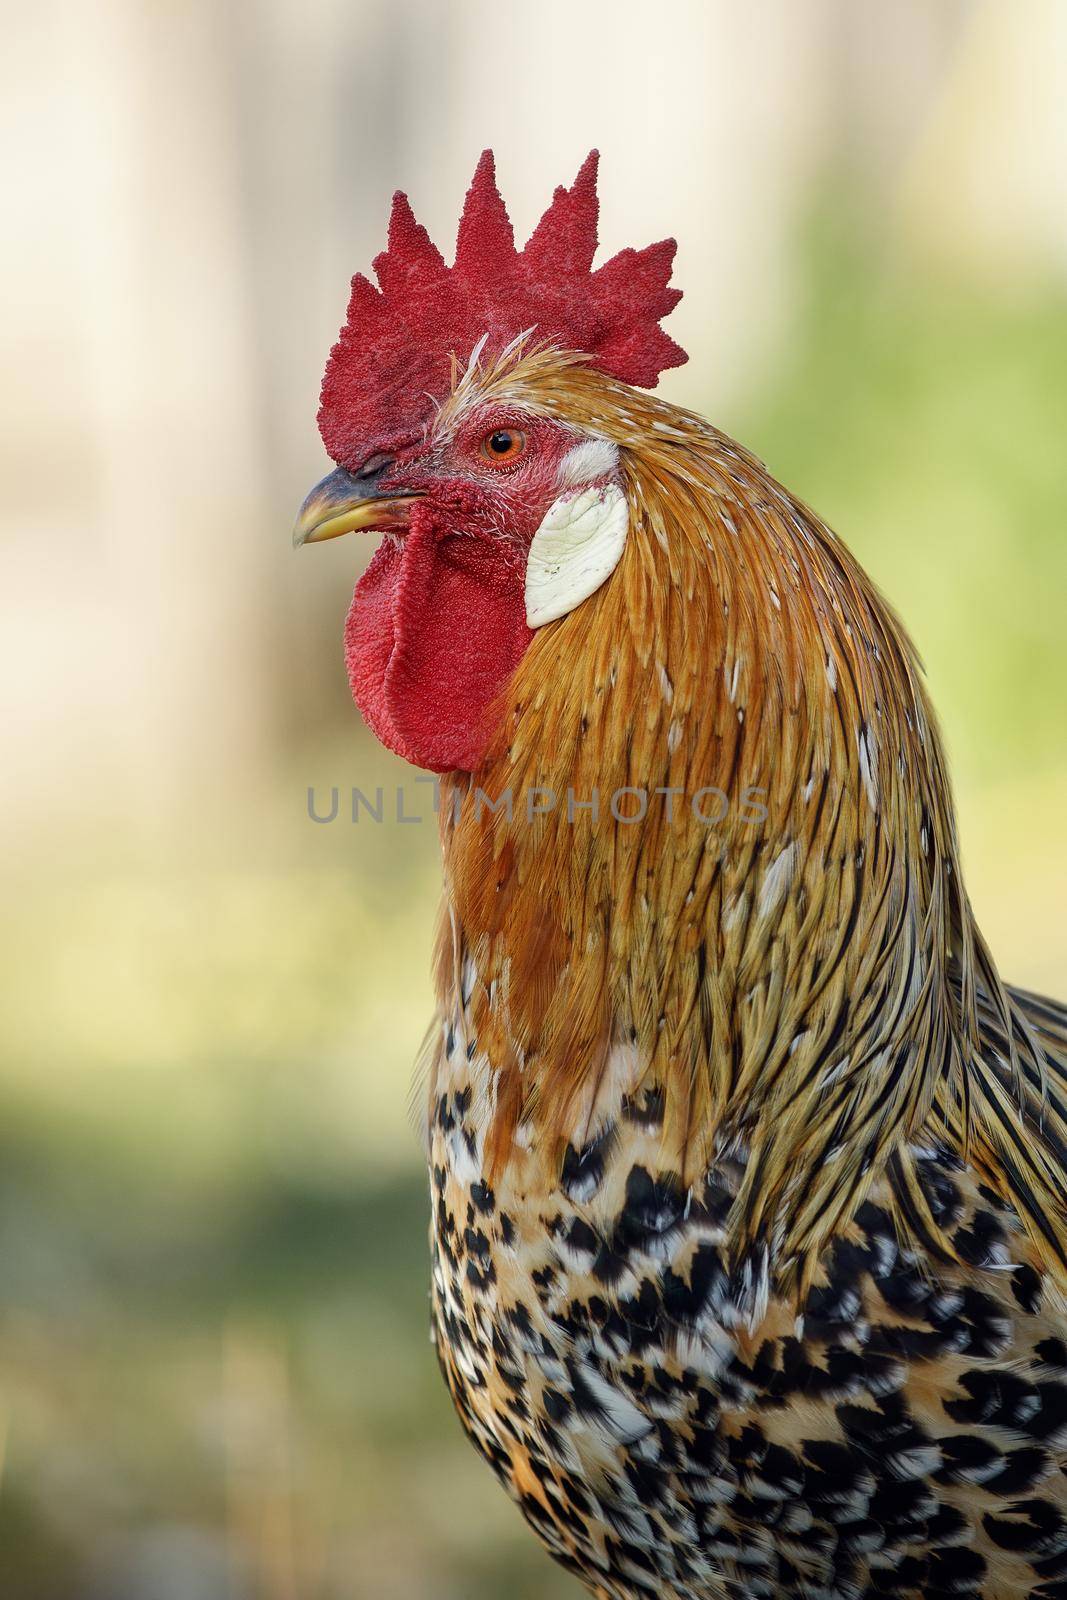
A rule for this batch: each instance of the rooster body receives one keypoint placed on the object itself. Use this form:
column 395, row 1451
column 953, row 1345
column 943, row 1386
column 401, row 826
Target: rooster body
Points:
column 903, row 1437
column 747, row 1169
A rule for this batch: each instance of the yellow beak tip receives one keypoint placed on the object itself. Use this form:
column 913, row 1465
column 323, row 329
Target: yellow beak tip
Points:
column 318, row 520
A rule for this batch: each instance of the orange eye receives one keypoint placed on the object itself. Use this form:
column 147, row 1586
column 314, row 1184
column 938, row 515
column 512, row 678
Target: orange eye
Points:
column 503, row 446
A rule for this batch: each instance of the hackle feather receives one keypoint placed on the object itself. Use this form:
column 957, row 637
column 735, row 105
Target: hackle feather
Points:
column 808, row 986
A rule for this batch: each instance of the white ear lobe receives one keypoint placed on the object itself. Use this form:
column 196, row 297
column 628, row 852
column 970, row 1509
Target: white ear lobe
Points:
column 577, row 546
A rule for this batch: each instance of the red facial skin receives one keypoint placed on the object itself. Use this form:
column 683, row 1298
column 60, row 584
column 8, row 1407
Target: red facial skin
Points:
column 438, row 620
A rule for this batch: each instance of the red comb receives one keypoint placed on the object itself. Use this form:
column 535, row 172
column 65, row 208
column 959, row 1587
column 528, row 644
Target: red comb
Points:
column 393, row 357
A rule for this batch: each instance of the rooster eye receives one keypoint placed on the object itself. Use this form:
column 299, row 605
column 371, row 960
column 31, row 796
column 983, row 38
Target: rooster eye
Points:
column 503, row 445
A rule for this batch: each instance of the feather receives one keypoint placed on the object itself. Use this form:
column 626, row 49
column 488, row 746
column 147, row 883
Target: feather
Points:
column 812, row 982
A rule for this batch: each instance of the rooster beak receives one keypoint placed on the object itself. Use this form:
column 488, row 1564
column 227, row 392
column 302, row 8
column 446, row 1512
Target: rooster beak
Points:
column 342, row 503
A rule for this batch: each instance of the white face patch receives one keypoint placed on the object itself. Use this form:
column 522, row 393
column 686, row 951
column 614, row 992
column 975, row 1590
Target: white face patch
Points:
column 578, row 545
column 592, row 459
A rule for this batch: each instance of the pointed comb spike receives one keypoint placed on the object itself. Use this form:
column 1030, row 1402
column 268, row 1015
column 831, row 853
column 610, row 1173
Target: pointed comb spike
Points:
column 565, row 239
column 640, row 355
column 485, row 243
column 411, row 255
column 587, row 174
column 364, row 302
column 639, row 279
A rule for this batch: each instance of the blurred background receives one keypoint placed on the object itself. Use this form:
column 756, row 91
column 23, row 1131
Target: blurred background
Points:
column 215, row 1379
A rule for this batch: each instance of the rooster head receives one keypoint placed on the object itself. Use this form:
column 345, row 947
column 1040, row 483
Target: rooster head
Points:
column 500, row 510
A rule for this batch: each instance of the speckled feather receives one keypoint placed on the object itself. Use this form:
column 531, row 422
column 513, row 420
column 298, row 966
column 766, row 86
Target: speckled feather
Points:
column 748, row 1170
column 900, row 1433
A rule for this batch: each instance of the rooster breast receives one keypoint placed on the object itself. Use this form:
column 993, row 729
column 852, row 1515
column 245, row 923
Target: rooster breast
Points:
column 666, row 1434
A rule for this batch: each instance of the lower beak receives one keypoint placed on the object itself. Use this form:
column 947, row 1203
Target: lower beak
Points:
column 343, row 504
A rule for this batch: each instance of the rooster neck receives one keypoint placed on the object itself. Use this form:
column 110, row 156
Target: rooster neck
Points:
column 796, row 978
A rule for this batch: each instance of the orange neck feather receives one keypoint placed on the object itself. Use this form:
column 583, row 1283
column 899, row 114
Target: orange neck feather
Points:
column 798, row 984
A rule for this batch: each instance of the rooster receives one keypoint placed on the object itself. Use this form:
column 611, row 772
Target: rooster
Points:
column 749, row 1238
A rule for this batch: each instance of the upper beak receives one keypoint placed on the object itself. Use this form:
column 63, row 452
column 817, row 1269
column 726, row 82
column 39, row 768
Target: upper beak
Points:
column 342, row 503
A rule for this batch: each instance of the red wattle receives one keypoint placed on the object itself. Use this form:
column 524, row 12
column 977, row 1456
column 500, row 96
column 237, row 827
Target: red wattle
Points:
column 436, row 628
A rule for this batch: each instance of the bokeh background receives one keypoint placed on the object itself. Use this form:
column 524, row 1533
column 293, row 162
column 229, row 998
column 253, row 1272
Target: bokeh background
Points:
column 215, row 1380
